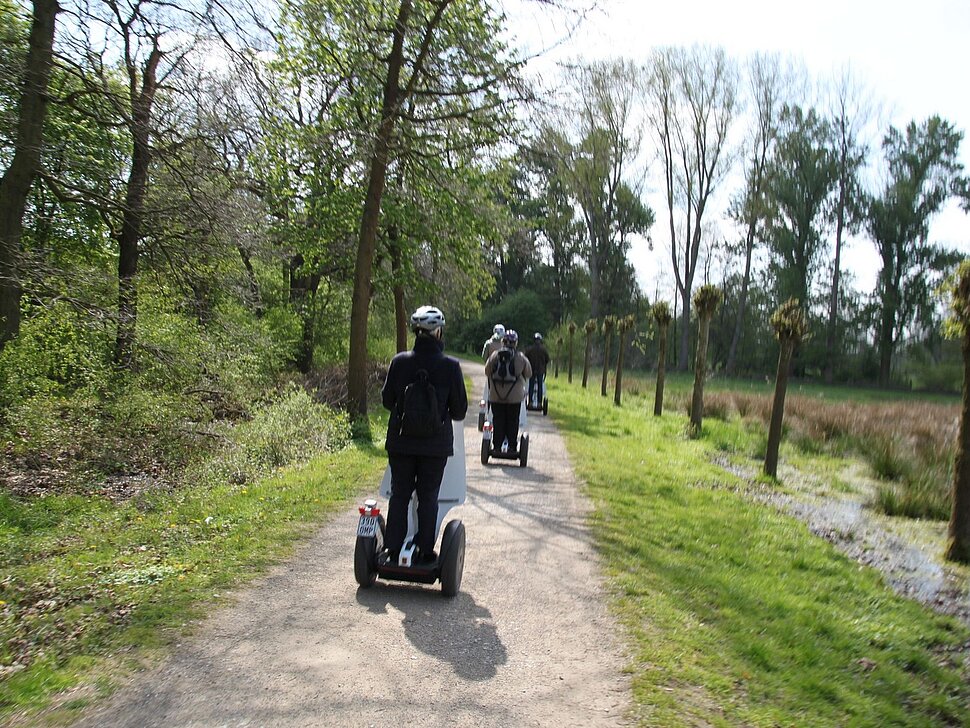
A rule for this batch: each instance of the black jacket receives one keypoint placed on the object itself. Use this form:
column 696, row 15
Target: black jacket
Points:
column 444, row 372
column 538, row 357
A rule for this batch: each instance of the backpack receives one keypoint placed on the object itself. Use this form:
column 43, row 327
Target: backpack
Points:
column 418, row 408
column 503, row 375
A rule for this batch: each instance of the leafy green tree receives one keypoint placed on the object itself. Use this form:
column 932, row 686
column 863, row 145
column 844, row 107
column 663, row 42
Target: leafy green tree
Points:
column 24, row 165
column 661, row 316
column 923, row 172
column 442, row 70
column 706, row 300
column 801, row 176
column 791, row 328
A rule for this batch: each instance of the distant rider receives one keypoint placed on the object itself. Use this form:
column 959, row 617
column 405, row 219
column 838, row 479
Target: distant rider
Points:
column 539, row 358
column 418, row 460
column 494, row 343
column 507, row 371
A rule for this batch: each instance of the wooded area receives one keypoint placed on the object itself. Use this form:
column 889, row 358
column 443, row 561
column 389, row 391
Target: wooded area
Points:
column 201, row 201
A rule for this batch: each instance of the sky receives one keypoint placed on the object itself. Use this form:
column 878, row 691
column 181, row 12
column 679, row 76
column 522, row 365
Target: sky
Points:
column 911, row 56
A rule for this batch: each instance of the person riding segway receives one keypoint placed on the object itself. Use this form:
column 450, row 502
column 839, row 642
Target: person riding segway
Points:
column 507, row 371
column 539, row 358
column 425, row 392
column 492, row 344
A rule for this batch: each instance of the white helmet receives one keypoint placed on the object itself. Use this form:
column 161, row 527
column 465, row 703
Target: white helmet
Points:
column 499, row 330
column 427, row 318
column 538, row 336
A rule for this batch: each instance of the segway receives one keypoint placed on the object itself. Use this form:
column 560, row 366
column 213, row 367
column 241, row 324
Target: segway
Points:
column 369, row 561
column 483, row 408
column 538, row 402
column 501, row 450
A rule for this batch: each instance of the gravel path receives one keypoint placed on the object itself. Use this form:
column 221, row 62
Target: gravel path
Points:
column 527, row 642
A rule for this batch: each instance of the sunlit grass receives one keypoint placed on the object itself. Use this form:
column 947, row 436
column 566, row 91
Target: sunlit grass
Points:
column 737, row 614
column 85, row 580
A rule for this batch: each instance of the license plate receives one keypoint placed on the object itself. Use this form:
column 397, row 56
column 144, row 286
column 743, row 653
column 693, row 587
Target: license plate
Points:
column 367, row 526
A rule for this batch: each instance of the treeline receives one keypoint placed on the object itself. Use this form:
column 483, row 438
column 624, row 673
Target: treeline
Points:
column 764, row 175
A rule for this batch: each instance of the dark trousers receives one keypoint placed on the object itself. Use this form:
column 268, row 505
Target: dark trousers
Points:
column 505, row 424
column 535, row 388
column 410, row 473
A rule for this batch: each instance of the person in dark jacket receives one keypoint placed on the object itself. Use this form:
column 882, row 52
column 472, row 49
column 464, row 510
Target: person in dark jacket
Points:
column 418, row 462
column 539, row 358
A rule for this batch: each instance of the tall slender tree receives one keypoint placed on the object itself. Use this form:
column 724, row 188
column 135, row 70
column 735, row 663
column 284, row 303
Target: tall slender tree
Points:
column 625, row 325
column 692, row 103
column 20, row 174
column 590, row 329
column 609, row 323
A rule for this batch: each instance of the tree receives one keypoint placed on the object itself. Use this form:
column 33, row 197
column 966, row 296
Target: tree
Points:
column 706, row 300
column 662, row 317
column 608, row 324
column 442, row 75
column 790, row 327
column 596, row 167
column 801, row 175
column 958, row 533
column 692, row 97
column 848, row 118
column 590, row 329
column 20, row 174
column 558, row 355
column 572, row 334
column 767, row 83
column 923, row 171
column 625, row 324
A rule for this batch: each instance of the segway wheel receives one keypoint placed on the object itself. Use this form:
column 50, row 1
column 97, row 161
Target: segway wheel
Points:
column 545, row 406
column 486, row 451
column 452, row 558
column 365, row 558
column 523, row 450
column 481, row 421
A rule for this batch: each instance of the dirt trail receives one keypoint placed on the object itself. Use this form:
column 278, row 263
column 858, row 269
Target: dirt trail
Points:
column 527, row 642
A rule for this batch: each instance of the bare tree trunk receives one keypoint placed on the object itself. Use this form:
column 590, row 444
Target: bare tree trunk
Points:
column 830, row 348
column 658, row 399
column 731, row 364
column 589, row 349
column 367, row 238
column 619, row 369
column 778, row 408
column 254, row 292
column 400, row 313
column 700, row 373
column 606, row 361
column 684, row 331
column 19, row 177
column 570, row 377
column 131, row 223
column 958, row 534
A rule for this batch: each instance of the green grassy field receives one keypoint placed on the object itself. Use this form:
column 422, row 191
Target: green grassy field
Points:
column 737, row 614
column 91, row 588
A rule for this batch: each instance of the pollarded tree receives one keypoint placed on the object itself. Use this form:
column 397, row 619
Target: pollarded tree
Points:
column 572, row 335
column 662, row 317
column 958, row 534
column 625, row 324
column 608, row 323
column 590, row 329
column 790, row 327
column 706, row 300
column 923, row 172
column 558, row 355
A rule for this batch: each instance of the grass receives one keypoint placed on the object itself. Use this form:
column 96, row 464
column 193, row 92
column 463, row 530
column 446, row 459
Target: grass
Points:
column 88, row 583
column 737, row 614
